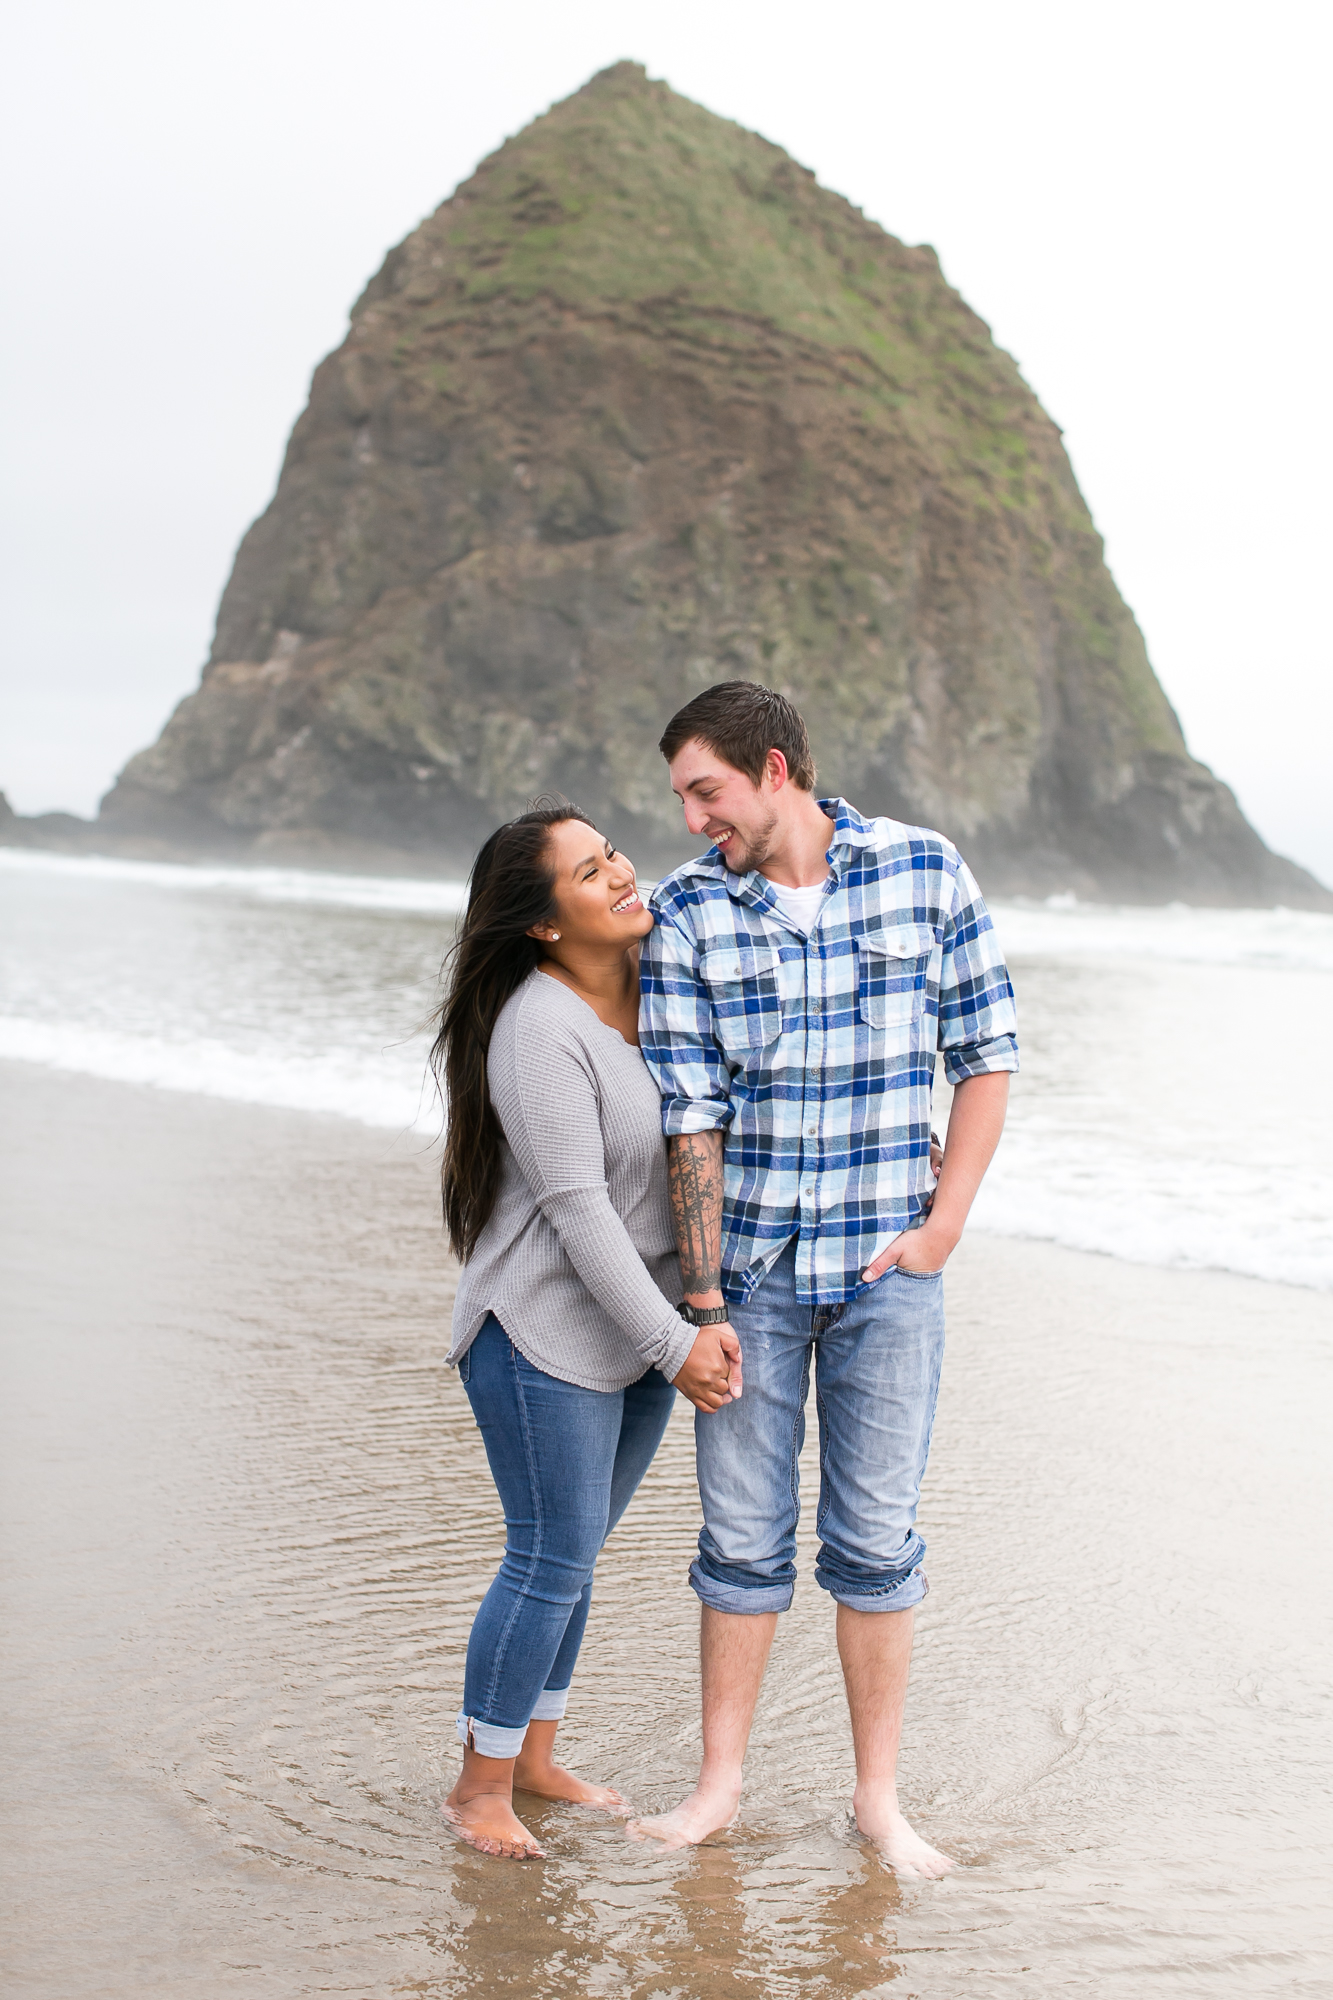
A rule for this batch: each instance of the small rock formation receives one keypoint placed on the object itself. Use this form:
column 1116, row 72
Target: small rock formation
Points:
column 64, row 832
column 643, row 407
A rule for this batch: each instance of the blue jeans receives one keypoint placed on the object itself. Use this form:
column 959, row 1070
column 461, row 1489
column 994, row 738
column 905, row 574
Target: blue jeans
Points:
column 877, row 1371
column 566, row 1462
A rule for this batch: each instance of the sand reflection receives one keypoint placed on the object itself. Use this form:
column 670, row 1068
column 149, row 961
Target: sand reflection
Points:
column 792, row 1920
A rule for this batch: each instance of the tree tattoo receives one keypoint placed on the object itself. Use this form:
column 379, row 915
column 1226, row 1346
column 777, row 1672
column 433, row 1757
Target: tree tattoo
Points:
column 694, row 1178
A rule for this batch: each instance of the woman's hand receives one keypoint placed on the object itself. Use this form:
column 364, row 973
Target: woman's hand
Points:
column 711, row 1376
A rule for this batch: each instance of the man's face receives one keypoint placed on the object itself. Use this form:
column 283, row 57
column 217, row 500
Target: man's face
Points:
column 722, row 804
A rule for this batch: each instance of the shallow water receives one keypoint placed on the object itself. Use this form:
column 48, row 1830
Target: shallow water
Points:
column 248, row 1521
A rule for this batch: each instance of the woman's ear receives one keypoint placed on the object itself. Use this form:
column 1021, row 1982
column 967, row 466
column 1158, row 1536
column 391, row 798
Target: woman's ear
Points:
column 543, row 934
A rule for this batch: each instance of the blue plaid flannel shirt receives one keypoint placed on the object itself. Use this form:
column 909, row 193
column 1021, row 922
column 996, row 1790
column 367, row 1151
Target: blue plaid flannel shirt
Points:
column 817, row 1055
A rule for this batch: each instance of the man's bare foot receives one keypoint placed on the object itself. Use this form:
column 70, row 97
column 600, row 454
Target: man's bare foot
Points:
column 489, row 1823
column 708, row 1809
column 552, row 1781
column 900, row 1848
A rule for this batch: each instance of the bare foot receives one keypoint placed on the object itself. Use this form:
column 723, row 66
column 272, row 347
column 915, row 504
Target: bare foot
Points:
column 708, row 1809
column 552, row 1781
column 899, row 1847
column 489, row 1823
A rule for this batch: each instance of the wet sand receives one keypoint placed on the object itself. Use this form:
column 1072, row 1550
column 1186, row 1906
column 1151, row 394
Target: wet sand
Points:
column 247, row 1521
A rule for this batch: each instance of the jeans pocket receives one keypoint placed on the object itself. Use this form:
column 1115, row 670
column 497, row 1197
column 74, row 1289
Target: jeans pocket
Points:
column 920, row 1277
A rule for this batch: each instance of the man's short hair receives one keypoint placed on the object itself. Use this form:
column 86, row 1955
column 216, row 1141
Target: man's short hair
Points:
column 742, row 721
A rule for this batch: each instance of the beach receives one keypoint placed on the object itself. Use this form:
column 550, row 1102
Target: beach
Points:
column 248, row 1520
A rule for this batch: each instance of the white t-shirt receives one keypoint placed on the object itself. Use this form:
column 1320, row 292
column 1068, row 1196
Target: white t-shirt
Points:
column 801, row 905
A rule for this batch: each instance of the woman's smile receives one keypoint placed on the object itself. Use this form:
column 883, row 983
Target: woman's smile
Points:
column 630, row 902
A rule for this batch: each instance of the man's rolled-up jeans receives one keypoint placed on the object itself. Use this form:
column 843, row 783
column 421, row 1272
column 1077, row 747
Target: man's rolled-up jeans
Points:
column 876, row 1362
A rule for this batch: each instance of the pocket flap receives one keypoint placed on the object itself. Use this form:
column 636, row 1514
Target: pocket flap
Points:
column 902, row 941
column 722, row 964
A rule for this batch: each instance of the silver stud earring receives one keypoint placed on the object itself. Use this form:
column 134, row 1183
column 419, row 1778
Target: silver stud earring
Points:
column 555, row 937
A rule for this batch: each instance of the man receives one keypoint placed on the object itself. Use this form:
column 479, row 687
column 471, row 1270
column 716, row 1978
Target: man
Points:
column 799, row 981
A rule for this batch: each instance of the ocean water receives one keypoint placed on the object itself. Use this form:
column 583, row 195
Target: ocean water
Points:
column 1174, row 1107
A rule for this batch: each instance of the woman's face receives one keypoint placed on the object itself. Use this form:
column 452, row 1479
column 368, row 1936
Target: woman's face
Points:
column 596, row 898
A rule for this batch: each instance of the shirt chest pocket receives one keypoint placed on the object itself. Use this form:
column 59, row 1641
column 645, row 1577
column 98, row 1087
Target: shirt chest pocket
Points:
column 893, row 964
column 746, row 995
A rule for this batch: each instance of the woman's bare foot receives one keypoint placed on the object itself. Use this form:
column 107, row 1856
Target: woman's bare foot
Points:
column 552, row 1781
column 900, row 1848
column 708, row 1809
column 488, row 1822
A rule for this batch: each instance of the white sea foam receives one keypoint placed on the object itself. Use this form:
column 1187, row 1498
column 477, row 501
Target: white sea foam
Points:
column 397, row 893
column 1063, row 927
column 388, row 1093
column 1168, row 1204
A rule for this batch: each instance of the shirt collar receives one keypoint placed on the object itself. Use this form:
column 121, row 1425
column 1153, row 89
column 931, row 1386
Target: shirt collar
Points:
column 851, row 831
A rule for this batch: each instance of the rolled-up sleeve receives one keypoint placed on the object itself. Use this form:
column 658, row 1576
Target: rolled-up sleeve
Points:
column 676, row 1031
column 978, row 1021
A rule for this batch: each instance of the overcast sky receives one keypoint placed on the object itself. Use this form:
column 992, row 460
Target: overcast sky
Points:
column 1133, row 197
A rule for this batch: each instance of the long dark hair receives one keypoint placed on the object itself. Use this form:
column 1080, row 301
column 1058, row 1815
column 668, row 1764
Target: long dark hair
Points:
column 510, row 889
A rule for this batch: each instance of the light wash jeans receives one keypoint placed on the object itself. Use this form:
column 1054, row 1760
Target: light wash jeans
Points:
column 877, row 1372
column 566, row 1462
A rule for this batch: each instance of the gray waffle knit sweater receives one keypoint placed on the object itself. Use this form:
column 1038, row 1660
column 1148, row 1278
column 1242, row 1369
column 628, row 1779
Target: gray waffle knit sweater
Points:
column 577, row 1262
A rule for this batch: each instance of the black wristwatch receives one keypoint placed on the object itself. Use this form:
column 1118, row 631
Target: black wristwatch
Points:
column 704, row 1315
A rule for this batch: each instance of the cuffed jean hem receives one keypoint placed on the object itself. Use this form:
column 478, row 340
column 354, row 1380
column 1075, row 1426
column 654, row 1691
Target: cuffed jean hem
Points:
column 492, row 1740
column 745, row 1598
column 488, row 1738
column 890, row 1586
column 897, row 1597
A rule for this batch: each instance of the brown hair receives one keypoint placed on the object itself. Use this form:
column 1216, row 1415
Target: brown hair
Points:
column 509, row 890
column 742, row 721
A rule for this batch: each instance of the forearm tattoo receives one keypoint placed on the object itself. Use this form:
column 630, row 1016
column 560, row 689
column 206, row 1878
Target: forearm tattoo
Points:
column 694, row 1176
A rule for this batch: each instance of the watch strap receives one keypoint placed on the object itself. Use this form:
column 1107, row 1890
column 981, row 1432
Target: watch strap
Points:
column 704, row 1315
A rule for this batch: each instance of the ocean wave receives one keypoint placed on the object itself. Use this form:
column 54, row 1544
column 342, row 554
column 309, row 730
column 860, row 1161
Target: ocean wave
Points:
column 1186, row 1213
column 1147, row 1123
column 1043, row 1186
column 1059, row 927
column 1179, row 933
column 402, row 895
column 390, row 1094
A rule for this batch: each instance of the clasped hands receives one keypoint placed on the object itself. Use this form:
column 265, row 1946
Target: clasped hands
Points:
column 711, row 1376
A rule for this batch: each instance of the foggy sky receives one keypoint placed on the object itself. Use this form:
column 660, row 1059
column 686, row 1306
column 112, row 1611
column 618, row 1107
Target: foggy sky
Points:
column 1133, row 198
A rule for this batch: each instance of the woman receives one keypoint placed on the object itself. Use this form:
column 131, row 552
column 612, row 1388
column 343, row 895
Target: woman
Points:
column 565, row 1332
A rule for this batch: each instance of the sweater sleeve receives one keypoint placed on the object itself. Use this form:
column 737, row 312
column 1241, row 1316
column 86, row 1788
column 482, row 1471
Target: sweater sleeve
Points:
column 546, row 1099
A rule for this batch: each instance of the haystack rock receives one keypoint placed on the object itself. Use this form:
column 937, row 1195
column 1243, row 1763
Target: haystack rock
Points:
column 644, row 407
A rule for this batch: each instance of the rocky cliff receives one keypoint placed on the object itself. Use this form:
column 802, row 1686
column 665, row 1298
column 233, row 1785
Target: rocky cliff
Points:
column 644, row 407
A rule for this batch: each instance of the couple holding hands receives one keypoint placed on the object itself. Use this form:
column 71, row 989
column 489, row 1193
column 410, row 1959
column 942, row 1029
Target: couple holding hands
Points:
column 776, row 1009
